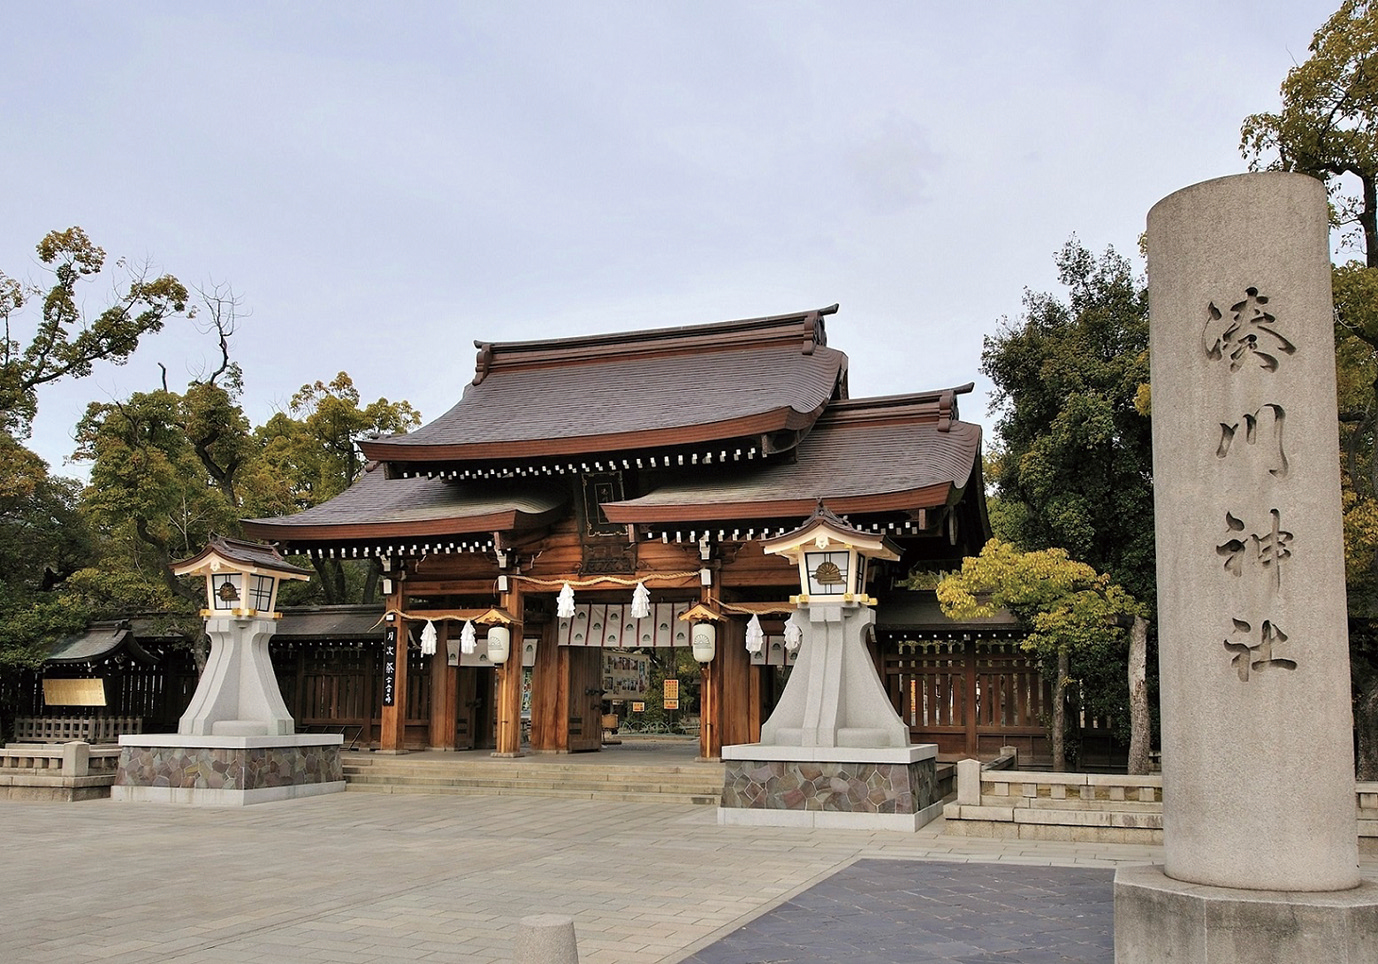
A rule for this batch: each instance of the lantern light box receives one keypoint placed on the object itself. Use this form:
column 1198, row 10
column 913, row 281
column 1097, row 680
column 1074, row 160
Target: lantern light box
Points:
column 242, row 578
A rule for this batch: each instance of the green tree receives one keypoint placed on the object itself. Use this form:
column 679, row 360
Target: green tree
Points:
column 1066, row 606
column 1328, row 123
column 1075, row 460
column 44, row 538
column 1327, row 127
column 314, row 456
column 66, row 341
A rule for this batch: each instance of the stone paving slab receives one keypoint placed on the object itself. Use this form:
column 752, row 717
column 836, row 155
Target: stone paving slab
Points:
column 366, row 879
column 928, row 912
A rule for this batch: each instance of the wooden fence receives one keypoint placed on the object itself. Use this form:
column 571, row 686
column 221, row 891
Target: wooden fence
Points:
column 973, row 695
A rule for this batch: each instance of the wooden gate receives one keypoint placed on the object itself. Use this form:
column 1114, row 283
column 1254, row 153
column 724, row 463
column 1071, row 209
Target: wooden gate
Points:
column 969, row 696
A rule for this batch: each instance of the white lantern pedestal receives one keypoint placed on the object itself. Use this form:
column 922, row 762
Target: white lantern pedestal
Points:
column 235, row 744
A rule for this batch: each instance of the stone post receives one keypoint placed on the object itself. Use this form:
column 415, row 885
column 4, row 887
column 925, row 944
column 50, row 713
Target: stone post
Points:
column 1259, row 827
column 1258, row 767
column 76, row 759
column 546, row 939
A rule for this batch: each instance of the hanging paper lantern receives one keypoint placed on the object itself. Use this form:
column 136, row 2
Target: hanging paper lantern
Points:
column 564, row 603
column 755, row 636
column 467, row 641
column 794, row 634
column 641, row 601
column 428, row 639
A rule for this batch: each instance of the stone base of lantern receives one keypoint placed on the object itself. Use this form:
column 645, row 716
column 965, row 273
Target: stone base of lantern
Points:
column 226, row 771
column 1159, row 919
column 849, row 788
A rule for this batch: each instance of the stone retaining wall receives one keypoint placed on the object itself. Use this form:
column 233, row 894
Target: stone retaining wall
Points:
column 1090, row 807
column 41, row 771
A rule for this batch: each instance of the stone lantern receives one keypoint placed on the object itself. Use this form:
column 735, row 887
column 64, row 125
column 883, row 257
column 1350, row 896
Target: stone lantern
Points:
column 834, row 753
column 236, row 744
column 238, row 693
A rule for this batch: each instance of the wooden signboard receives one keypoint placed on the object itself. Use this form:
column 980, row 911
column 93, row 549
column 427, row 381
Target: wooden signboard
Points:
column 672, row 694
column 74, row 692
column 390, row 666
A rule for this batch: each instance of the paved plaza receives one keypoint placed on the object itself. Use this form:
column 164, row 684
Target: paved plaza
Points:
column 359, row 878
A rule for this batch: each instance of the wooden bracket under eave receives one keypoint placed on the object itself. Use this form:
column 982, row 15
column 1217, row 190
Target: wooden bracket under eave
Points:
column 700, row 613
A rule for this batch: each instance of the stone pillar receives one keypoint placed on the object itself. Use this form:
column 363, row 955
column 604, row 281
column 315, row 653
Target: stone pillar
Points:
column 238, row 694
column 1258, row 767
column 1259, row 825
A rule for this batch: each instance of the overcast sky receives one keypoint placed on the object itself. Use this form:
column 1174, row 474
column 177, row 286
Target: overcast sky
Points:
column 384, row 183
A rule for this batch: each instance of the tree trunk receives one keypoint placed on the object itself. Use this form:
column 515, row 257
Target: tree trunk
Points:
column 1368, row 219
column 1140, row 732
column 1060, row 712
column 375, row 572
column 1366, row 723
column 200, row 652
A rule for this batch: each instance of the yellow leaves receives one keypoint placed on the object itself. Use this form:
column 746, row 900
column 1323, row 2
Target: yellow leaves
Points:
column 1063, row 602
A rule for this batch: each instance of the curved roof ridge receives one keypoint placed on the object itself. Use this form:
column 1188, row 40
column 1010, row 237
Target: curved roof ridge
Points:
column 804, row 327
column 938, row 406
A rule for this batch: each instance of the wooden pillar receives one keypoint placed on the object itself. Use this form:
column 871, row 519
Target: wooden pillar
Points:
column 509, row 708
column 973, row 738
column 549, row 697
column 393, row 738
column 444, row 692
column 733, row 690
column 710, row 747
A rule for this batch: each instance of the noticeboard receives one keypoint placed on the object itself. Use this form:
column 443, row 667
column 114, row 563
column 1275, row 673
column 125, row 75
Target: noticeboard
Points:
column 672, row 694
column 625, row 675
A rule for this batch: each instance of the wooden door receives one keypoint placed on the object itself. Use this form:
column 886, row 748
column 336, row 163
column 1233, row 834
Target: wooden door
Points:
column 474, row 714
column 585, row 698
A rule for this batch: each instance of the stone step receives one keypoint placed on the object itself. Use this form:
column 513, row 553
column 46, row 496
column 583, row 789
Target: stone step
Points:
column 584, row 775
column 699, row 784
column 537, row 786
column 618, row 796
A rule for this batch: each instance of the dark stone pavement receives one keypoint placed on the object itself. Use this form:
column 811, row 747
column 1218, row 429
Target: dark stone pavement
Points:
column 927, row 912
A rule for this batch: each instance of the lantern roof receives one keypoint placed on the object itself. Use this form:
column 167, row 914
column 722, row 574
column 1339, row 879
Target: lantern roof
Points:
column 823, row 529
column 238, row 555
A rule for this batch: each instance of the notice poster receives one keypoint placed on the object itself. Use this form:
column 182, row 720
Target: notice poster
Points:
column 672, row 694
column 625, row 676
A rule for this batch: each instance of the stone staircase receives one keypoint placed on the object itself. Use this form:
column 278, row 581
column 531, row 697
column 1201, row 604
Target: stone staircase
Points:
column 554, row 776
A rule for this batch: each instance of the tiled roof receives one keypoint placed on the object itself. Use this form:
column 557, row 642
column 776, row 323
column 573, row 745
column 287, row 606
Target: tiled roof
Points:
column 98, row 641
column 376, row 506
column 331, row 622
column 250, row 554
column 864, row 455
column 631, row 390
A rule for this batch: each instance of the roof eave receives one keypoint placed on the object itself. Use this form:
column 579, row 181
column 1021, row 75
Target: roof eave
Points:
column 925, row 497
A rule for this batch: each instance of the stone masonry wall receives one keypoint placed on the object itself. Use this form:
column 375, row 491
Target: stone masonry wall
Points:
column 839, row 787
column 205, row 768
